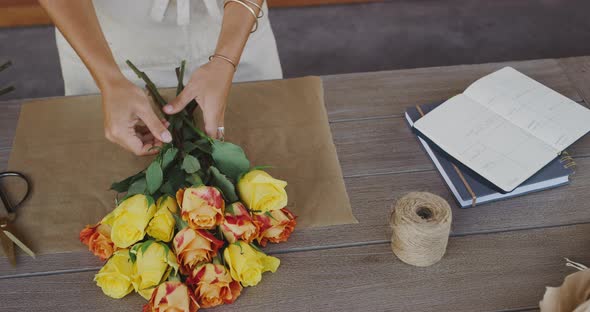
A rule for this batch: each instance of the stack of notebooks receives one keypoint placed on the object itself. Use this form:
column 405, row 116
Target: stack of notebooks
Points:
column 502, row 137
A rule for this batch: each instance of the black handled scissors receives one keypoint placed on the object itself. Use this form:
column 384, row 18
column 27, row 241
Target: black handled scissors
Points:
column 7, row 236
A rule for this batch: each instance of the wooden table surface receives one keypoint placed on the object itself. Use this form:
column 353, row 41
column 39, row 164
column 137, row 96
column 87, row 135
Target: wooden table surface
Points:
column 500, row 255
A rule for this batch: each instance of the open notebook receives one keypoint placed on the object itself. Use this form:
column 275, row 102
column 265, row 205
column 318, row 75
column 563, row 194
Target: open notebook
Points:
column 505, row 126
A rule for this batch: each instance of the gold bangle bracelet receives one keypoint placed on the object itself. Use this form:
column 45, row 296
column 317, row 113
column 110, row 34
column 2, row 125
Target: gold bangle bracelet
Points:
column 249, row 9
column 225, row 58
column 260, row 12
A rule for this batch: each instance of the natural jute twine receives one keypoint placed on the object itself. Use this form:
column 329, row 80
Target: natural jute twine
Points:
column 421, row 224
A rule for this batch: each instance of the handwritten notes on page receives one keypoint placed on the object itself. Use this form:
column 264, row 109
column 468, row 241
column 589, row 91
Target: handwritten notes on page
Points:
column 506, row 127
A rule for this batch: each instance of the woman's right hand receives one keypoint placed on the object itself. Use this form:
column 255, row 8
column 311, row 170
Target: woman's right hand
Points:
column 129, row 119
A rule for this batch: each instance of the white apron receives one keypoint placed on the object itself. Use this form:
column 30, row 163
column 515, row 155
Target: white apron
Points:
column 134, row 32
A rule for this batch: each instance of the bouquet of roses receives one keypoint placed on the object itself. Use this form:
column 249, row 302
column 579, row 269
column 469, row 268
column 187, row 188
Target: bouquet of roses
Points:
column 187, row 233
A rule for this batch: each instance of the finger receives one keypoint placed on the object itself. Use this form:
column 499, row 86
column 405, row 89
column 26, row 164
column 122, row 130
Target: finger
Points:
column 128, row 139
column 180, row 101
column 212, row 122
column 156, row 126
column 165, row 122
column 146, row 138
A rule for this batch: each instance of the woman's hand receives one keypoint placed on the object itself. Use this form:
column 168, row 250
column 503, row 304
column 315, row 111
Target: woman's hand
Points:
column 209, row 86
column 129, row 119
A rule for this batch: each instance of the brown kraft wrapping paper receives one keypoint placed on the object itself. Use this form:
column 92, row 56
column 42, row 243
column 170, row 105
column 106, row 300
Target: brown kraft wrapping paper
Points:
column 60, row 146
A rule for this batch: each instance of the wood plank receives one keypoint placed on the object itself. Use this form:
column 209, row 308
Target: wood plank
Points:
column 300, row 3
column 371, row 199
column 378, row 146
column 4, row 154
column 483, row 273
column 578, row 71
column 23, row 15
column 389, row 93
column 8, row 121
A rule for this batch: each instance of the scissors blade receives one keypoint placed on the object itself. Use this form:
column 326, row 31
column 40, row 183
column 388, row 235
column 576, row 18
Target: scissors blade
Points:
column 8, row 247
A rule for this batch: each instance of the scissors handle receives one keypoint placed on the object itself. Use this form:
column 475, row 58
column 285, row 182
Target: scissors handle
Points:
column 10, row 208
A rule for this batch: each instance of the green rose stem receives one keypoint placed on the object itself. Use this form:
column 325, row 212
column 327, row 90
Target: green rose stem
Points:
column 6, row 90
column 9, row 88
column 149, row 84
column 153, row 90
column 5, row 65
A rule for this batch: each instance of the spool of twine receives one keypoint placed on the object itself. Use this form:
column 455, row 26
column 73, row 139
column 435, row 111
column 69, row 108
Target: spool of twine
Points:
column 421, row 224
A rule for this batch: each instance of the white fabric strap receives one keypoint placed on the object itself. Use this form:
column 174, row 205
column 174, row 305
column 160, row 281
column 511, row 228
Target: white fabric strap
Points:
column 213, row 7
column 159, row 10
column 183, row 11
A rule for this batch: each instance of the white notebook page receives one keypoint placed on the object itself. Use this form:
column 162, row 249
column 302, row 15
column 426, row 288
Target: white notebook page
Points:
column 506, row 127
column 485, row 142
column 548, row 115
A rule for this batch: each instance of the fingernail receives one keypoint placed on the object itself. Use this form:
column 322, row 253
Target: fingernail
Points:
column 166, row 137
column 168, row 108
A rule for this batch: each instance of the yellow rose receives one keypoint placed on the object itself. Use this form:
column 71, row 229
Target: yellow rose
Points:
column 162, row 225
column 261, row 192
column 115, row 276
column 247, row 264
column 153, row 264
column 129, row 220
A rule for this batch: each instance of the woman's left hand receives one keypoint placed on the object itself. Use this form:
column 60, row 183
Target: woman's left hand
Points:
column 209, row 85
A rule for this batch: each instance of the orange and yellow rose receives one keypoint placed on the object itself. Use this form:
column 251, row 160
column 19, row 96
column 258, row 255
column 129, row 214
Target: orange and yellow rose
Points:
column 238, row 224
column 202, row 206
column 98, row 240
column 261, row 192
column 172, row 296
column 194, row 247
column 213, row 285
column 275, row 226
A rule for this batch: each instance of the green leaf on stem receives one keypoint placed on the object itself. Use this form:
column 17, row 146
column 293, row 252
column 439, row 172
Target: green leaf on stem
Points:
column 230, row 159
column 167, row 189
column 226, row 187
column 123, row 186
column 176, row 177
column 146, row 245
column 194, row 179
column 150, row 201
column 180, row 224
column 168, row 157
column 137, row 187
column 154, row 177
column 190, row 164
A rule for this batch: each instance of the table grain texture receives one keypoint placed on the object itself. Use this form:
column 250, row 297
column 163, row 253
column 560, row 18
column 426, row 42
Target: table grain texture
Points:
column 500, row 255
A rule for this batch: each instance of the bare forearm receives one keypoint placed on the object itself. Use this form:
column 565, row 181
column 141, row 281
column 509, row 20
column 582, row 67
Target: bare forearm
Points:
column 78, row 23
column 235, row 30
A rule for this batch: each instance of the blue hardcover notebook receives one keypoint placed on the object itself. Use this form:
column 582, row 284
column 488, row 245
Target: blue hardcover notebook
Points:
column 469, row 188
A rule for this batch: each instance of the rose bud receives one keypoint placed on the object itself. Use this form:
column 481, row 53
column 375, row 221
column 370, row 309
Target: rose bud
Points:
column 261, row 192
column 275, row 226
column 172, row 296
column 202, row 206
column 129, row 220
column 247, row 264
column 161, row 227
column 98, row 240
column 238, row 224
column 114, row 278
column 213, row 285
column 194, row 247
column 154, row 262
